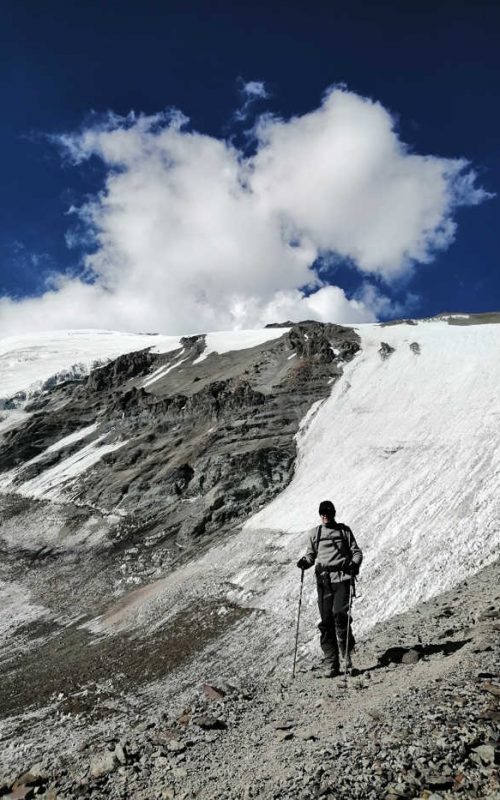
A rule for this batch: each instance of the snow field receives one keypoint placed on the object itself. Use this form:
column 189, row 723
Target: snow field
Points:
column 26, row 362
column 407, row 448
column 225, row 341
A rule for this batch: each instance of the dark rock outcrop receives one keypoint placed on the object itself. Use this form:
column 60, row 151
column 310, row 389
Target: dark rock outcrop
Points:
column 201, row 444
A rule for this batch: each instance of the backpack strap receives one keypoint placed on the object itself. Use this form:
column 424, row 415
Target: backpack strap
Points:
column 318, row 539
column 318, row 536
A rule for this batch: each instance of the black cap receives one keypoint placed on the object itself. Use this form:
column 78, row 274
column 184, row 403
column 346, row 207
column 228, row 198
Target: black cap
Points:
column 327, row 509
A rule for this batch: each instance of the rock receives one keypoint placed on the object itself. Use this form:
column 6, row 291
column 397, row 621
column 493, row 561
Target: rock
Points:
column 434, row 781
column 121, row 753
column 21, row 793
column 491, row 713
column 175, row 746
column 411, row 657
column 397, row 791
column 492, row 688
column 168, row 793
column 484, row 754
column 212, row 692
column 32, row 778
column 142, row 727
column 284, row 736
column 103, row 764
column 179, row 772
column 308, row 734
column 208, row 722
column 184, row 718
column 395, row 655
column 385, row 350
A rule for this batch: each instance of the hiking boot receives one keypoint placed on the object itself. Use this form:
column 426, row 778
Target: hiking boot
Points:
column 331, row 669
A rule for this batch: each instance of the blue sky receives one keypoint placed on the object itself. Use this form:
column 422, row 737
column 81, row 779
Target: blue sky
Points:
column 432, row 67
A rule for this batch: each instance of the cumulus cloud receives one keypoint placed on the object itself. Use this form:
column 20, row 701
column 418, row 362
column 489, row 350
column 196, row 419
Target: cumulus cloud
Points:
column 190, row 234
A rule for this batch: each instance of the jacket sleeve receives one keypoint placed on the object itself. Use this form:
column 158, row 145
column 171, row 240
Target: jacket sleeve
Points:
column 356, row 554
column 310, row 554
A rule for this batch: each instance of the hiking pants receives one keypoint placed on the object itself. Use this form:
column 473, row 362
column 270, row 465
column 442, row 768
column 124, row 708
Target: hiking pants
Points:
column 333, row 604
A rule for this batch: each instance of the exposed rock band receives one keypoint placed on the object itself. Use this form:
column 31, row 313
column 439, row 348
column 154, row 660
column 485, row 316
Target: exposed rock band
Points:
column 334, row 550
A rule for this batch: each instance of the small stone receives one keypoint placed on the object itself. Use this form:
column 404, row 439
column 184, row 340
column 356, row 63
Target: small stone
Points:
column 38, row 771
column 208, row 722
column 411, row 657
column 121, row 753
column 485, row 754
column 175, row 746
column 397, row 791
column 459, row 779
column 142, row 727
column 492, row 688
column 103, row 764
column 307, row 734
column 212, row 692
column 179, row 772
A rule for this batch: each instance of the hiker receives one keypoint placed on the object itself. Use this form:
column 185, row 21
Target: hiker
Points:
column 338, row 558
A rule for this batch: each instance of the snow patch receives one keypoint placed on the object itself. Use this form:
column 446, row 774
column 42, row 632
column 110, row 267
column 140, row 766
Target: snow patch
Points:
column 16, row 609
column 226, row 341
column 50, row 483
column 162, row 371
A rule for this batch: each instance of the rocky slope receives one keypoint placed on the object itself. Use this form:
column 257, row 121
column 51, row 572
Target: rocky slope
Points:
column 219, row 430
column 420, row 719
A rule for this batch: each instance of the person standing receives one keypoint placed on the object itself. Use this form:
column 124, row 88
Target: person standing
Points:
column 334, row 549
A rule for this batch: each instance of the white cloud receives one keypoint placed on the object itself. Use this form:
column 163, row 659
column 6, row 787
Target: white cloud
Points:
column 343, row 177
column 255, row 89
column 250, row 91
column 192, row 235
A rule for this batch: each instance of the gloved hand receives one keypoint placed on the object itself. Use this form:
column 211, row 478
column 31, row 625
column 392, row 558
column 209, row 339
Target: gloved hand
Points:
column 351, row 569
column 303, row 563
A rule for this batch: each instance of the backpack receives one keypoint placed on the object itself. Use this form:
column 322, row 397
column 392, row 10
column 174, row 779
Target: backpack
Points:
column 342, row 530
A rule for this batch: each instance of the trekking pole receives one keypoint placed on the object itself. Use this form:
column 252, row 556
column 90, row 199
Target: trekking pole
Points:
column 348, row 630
column 298, row 621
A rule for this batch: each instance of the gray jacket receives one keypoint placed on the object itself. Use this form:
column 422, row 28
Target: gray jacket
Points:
column 336, row 549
